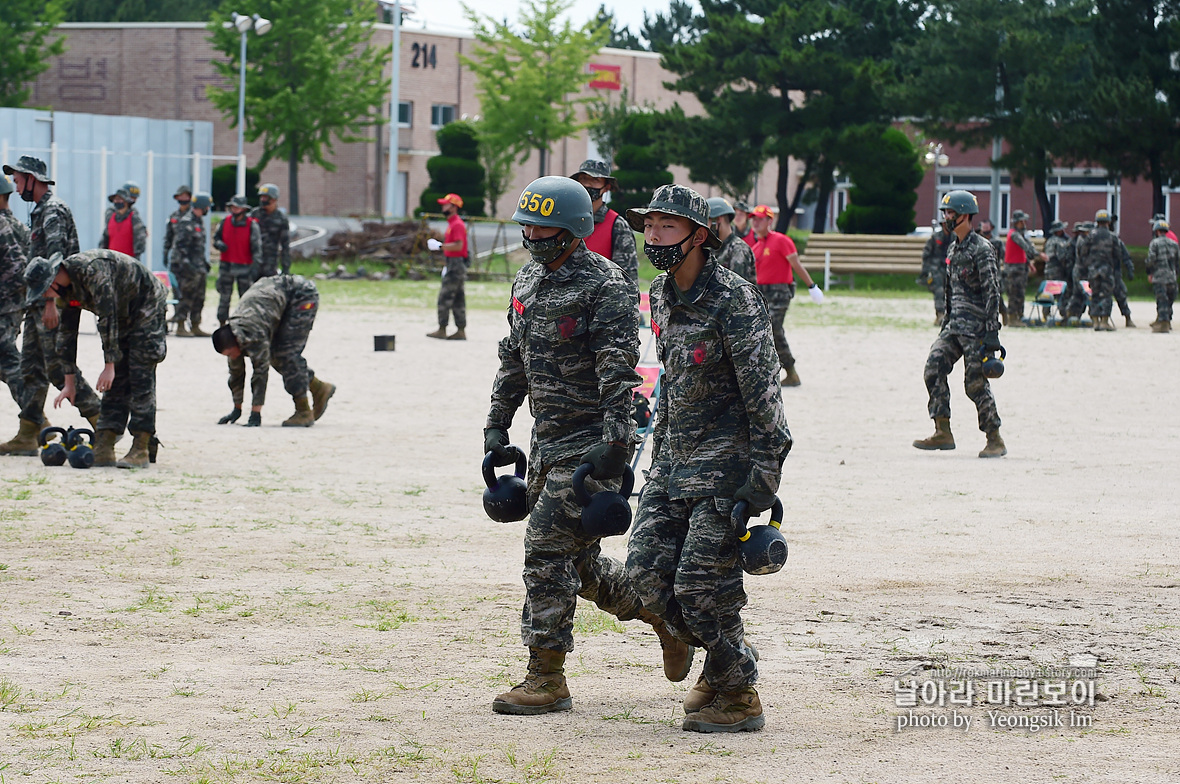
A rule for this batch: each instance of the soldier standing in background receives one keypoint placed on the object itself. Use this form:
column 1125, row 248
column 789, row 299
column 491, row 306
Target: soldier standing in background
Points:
column 1058, row 267
column 721, row 437
column 741, row 222
column 14, row 238
column 452, row 294
column 122, row 229
column 51, row 230
column 1100, row 257
column 132, row 309
column 131, row 188
column 276, row 233
column 240, row 241
column 190, row 267
column 934, row 268
column 1077, row 294
column 734, row 254
column 1019, row 258
column 1127, row 267
column 1159, row 216
column 184, row 197
column 612, row 238
column 1163, row 265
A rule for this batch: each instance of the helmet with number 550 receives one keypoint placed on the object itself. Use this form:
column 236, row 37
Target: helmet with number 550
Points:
column 555, row 202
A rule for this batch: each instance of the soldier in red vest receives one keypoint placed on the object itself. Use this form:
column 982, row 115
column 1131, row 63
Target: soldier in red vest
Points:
column 240, row 241
column 122, row 228
column 612, row 238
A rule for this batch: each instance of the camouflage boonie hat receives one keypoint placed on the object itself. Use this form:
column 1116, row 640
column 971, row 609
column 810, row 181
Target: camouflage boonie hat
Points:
column 27, row 164
column 239, row 201
column 119, row 193
column 183, row 190
column 741, row 206
column 1019, row 215
column 1158, row 216
column 1088, row 226
column 593, row 168
column 1057, row 226
column 677, row 200
column 1102, row 216
column 6, row 186
column 39, row 275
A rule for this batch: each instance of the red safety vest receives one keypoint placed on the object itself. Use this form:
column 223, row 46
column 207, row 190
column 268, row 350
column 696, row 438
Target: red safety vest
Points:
column 237, row 242
column 120, row 236
column 601, row 241
column 1013, row 253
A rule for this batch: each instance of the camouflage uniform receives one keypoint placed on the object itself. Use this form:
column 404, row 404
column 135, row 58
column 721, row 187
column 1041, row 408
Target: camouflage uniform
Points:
column 1099, row 256
column 189, row 266
column 1078, row 272
column 778, row 298
column 972, row 309
column 271, row 324
column 276, row 241
column 720, row 423
column 1057, row 249
column 14, row 237
column 242, row 274
column 51, row 230
column 1120, row 284
column 139, row 232
column 170, row 231
column 131, row 305
column 452, row 296
column 934, row 267
column 1017, row 274
column 734, row 254
column 572, row 347
column 623, row 252
column 1163, row 265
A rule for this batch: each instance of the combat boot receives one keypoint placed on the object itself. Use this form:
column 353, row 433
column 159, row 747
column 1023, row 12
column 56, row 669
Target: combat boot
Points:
column 942, row 438
column 543, row 690
column 792, row 378
column 1159, row 327
column 196, row 331
column 1130, row 324
column 104, row 448
column 735, row 711
column 440, row 333
column 938, row 316
column 321, row 393
column 702, row 693
column 137, row 456
column 995, row 445
column 460, row 334
column 1168, row 324
column 93, row 420
column 303, row 417
column 677, row 655
column 24, row 443
column 182, row 331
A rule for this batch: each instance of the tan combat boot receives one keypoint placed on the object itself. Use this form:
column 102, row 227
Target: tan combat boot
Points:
column 321, row 393
column 792, row 378
column 24, row 443
column 938, row 316
column 196, row 331
column 1168, row 324
column 104, row 448
column 995, row 445
column 677, row 655
column 440, row 333
column 303, row 417
column 93, row 420
column 137, row 456
column 460, row 334
column 1159, row 327
column 735, row 711
column 182, row 331
column 1130, row 324
column 942, row 438
column 543, row 690
column 701, row 694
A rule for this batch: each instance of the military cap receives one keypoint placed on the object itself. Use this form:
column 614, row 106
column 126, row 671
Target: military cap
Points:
column 269, row 189
column 1019, row 215
column 719, row 207
column 132, row 189
column 239, row 201
column 676, row 200
column 1079, row 226
column 183, row 190
column 741, row 206
column 1056, row 226
column 6, row 186
column 119, row 194
column 593, row 168
column 202, row 201
column 27, row 164
column 452, row 198
column 1159, row 225
column 556, row 202
column 963, row 203
column 1158, row 216
column 1088, row 226
column 1102, row 216
column 39, row 275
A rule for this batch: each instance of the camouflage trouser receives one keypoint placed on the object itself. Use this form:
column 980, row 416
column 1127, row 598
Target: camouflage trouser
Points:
column 1165, row 296
column 683, row 560
column 452, row 298
column 1017, row 281
column 778, row 299
column 1101, row 292
column 1120, row 294
column 286, row 350
column 938, row 288
column 40, row 366
column 1077, row 295
column 190, row 292
column 562, row 562
column 227, row 274
column 131, row 401
column 946, row 351
column 266, row 268
column 10, row 355
column 1003, row 286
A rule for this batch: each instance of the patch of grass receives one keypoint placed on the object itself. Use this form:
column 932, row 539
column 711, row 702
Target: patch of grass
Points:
column 153, row 599
column 388, row 615
column 591, row 620
column 9, row 693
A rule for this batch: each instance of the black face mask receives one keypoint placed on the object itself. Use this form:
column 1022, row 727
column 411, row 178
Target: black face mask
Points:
column 665, row 257
column 595, row 193
column 27, row 192
column 61, row 292
column 948, row 224
column 550, row 249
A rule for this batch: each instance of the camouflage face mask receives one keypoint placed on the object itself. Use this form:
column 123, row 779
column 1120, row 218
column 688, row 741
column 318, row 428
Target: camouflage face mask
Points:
column 665, row 257
column 595, row 193
column 550, row 249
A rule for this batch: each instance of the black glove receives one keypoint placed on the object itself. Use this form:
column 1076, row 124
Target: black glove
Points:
column 608, row 460
column 495, row 439
column 232, row 416
column 991, row 342
column 255, row 419
column 759, row 501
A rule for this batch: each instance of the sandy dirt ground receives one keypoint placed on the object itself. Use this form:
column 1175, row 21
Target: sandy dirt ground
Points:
column 331, row 604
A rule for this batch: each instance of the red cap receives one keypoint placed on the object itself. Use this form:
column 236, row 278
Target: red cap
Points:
column 452, row 198
column 762, row 211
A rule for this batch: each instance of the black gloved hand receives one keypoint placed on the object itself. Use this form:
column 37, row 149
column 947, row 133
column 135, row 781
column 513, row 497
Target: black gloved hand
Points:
column 608, row 460
column 495, row 439
column 991, row 341
column 758, row 500
column 232, row 416
column 255, row 419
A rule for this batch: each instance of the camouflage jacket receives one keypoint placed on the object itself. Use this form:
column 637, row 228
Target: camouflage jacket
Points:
column 1058, row 251
column 720, row 420
column 256, row 319
column 1099, row 252
column 973, row 288
column 188, row 242
column 118, row 290
column 255, row 239
column 52, row 229
column 622, row 244
column 1075, row 255
column 934, row 254
column 276, row 238
column 1163, row 260
column 139, row 232
column 572, row 346
column 18, row 228
column 12, row 265
column 734, row 254
column 170, row 231
column 1125, row 258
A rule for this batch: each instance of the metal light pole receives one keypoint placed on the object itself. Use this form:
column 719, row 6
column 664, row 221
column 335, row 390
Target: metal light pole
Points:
column 935, row 157
column 243, row 24
column 396, row 7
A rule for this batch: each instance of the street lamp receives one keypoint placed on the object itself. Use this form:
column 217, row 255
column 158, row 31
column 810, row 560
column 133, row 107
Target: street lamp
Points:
column 935, row 157
column 243, row 24
column 396, row 7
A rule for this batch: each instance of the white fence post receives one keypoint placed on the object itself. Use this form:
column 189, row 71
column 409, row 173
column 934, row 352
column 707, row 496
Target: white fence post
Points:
column 151, row 171
column 102, row 183
column 241, row 175
column 53, row 160
column 4, row 152
column 196, row 172
column 827, row 269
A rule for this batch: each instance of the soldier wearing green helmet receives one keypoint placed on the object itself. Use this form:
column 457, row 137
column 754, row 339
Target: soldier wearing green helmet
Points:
column 1163, row 267
column 1100, row 258
column 970, row 328
column 276, row 232
column 1126, row 267
column 734, row 254
column 571, row 349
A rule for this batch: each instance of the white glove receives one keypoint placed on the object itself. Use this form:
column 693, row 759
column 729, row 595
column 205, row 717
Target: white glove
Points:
column 817, row 295
column 433, row 244
column 444, row 272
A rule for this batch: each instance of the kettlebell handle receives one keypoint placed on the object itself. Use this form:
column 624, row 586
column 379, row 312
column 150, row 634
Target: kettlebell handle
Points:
column 579, row 483
column 489, row 465
column 43, row 438
column 740, row 516
column 76, row 437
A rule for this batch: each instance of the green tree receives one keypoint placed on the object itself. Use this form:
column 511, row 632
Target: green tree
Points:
column 28, row 43
column 315, row 78
column 885, row 173
column 526, row 80
column 141, row 10
column 497, row 160
column 642, row 162
column 679, row 26
column 619, row 37
column 604, row 117
column 456, row 169
column 718, row 148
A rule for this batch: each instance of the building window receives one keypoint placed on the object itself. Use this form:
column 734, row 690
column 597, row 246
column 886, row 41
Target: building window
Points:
column 441, row 114
column 405, row 114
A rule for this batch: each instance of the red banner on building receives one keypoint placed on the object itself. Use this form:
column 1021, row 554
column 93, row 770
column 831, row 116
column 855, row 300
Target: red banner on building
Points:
column 606, row 77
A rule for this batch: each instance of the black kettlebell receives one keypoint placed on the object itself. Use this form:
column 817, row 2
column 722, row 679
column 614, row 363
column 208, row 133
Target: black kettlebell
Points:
column 763, row 548
column 53, row 454
column 993, row 366
column 506, row 498
column 605, row 513
column 640, row 411
column 81, row 450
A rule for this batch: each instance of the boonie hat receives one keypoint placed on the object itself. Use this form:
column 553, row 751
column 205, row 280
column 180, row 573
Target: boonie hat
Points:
column 594, row 168
column 677, row 200
column 27, row 164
